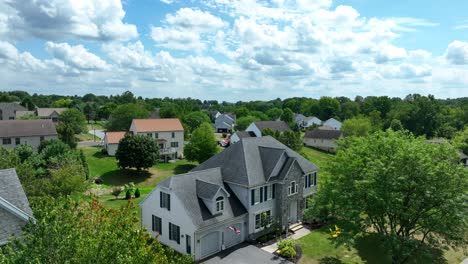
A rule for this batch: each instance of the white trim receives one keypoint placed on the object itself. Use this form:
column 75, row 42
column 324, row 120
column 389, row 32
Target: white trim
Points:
column 15, row 210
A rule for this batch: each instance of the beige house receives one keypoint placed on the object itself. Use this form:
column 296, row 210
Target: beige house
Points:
column 167, row 132
column 49, row 113
column 16, row 132
column 111, row 141
column 8, row 110
column 322, row 138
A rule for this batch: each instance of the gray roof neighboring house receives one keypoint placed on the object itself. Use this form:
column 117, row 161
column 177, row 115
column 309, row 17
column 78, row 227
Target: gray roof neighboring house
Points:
column 242, row 164
column 245, row 134
column 182, row 186
column 323, row 134
column 47, row 112
column 10, row 109
column 273, row 125
column 13, row 202
column 299, row 117
column 27, row 128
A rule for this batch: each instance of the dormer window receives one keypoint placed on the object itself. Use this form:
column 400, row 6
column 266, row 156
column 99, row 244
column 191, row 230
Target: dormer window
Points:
column 220, row 204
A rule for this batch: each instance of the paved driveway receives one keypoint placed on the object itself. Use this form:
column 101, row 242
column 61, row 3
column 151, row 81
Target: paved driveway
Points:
column 245, row 253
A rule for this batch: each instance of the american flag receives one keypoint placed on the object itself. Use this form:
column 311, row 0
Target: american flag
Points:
column 235, row 230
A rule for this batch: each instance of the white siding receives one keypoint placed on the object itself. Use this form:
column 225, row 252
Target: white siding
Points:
column 177, row 215
column 234, row 138
column 253, row 128
column 324, row 144
column 32, row 141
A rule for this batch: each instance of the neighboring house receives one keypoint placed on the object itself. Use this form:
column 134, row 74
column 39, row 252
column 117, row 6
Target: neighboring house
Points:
column 155, row 113
column 167, row 132
column 8, row 110
column 461, row 155
column 463, row 159
column 324, row 139
column 16, row 132
column 258, row 127
column 214, row 114
column 15, row 211
column 298, row 118
column 225, row 123
column 238, row 135
column 50, row 113
column 310, row 121
column 332, row 122
column 220, row 203
column 111, row 141
column 20, row 114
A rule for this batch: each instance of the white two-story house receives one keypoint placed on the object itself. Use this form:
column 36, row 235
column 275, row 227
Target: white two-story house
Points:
column 167, row 132
column 221, row 202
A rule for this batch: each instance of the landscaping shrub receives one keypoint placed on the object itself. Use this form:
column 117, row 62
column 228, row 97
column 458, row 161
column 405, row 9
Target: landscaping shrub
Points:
column 286, row 248
column 137, row 193
column 116, row 192
column 128, row 195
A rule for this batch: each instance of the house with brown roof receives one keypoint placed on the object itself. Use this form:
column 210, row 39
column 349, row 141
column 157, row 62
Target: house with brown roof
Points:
column 323, row 138
column 32, row 132
column 49, row 113
column 111, row 141
column 167, row 132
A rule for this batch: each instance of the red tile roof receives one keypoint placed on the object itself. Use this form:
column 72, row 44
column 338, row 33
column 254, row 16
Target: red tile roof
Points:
column 114, row 137
column 158, row 125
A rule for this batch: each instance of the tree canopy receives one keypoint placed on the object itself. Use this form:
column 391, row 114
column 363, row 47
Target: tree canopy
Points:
column 202, row 144
column 137, row 151
column 194, row 120
column 73, row 119
column 406, row 191
column 122, row 116
column 358, row 126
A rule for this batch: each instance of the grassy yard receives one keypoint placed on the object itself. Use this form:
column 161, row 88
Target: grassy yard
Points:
column 97, row 125
column 86, row 137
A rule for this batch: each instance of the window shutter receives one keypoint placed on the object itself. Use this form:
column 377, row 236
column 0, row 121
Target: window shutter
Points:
column 265, row 192
column 168, row 196
column 152, row 223
column 252, row 197
column 178, row 234
column 315, row 178
column 261, row 194
column 273, row 190
column 160, row 199
column 170, row 231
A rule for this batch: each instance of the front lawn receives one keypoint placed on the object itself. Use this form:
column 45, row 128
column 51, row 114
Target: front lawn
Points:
column 105, row 167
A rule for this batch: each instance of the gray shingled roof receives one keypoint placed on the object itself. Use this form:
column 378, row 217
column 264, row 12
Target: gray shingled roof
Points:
column 26, row 128
column 270, row 157
column 12, row 190
column 46, row 112
column 182, row 186
column 206, row 190
column 323, row 134
column 242, row 164
column 273, row 125
column 12, row 107
column 245, row 134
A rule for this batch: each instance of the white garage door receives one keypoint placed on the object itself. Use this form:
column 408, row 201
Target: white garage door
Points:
column 233, row 237
column 210, row 244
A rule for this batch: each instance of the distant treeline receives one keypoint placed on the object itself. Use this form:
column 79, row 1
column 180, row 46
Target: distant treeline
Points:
column 422, row 115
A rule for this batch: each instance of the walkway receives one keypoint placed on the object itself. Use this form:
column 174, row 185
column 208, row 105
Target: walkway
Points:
column 299, row 231
column 245, row 253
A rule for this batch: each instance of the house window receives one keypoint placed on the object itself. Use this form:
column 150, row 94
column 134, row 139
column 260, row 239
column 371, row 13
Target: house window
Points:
column 41, row 139
column 149, row 135
column 156, row 135
column 157, row 225
column 257, row 196
column 310, row 180
column 263, row 218
column 11, row 118
column 174, row 144
column 17, row 141
column 165, row 200
column 270, row 193
column 6, row 141
column 174, row 232
column 173, row 134
column 292, row 188
column 220, row 204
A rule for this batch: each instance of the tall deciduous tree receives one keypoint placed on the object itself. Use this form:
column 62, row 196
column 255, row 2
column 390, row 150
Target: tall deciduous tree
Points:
column 398, row 187
column 69, row 232
column 329, row 107
column 140, row 152
column 122, row 117
column 287, row 116
column 359, row 127
column 74, row 119
column 245, row 121
column 194, row 120
column 202, row 144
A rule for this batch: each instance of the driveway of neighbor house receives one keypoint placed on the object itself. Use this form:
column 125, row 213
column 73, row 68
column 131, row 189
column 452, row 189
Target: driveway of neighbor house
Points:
column 245, row 253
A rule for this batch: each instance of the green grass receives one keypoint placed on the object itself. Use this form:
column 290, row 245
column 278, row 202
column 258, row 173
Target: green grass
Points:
column 97, row 125
column 105, row 167
column 317, row 157
column 86, row 137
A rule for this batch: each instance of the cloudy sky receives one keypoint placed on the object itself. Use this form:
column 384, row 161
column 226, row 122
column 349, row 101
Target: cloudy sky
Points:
column 235, row 49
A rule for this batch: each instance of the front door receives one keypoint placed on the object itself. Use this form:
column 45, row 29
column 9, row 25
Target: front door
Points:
column 293, row 211
column 188, row 242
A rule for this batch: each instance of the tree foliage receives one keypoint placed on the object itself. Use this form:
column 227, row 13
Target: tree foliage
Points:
column 202, row 144
column 358, row 127
column 404, row 190
column 122, row 116
column 74, row 120
column 244, row 122
column 70, row 232
column 140, row 152
column 194, row 120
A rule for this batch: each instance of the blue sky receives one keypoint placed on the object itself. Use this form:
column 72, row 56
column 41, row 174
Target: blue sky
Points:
column 235, row 49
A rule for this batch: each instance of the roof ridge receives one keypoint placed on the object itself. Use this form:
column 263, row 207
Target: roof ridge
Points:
column 14, row 210
column 10, row 169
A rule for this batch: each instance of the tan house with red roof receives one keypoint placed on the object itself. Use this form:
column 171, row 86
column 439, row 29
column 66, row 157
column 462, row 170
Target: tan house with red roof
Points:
column 111, row 141
column 167, row 132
